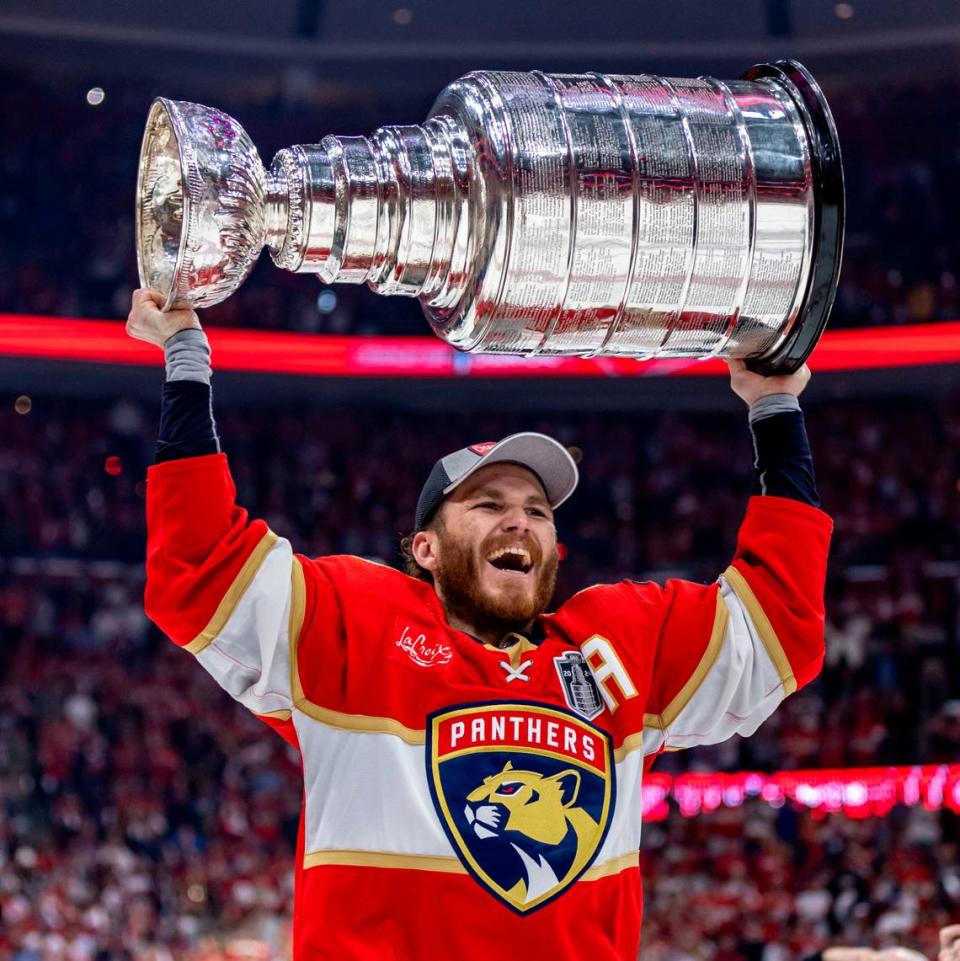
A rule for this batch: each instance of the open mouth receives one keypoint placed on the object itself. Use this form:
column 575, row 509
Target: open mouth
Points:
column 511, row 560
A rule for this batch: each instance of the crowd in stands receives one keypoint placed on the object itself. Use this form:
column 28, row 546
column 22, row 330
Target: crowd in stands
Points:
column 660, row 495
column 144, row 814
column 758, row 884
column 68, row 171
column 142, row 811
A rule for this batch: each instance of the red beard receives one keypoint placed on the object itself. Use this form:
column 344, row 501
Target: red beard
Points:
column 457, row 578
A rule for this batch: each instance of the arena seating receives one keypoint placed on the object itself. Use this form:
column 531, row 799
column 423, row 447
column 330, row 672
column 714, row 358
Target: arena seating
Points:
column 143, row 814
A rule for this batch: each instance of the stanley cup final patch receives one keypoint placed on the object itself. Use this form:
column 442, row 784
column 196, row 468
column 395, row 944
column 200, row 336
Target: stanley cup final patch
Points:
column 525, row 793
column 579, row 685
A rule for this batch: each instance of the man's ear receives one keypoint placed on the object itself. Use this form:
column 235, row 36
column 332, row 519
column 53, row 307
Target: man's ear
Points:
column 569, row 781
column 424, row 549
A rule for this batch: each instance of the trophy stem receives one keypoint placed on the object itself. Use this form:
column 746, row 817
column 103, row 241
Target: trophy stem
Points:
column 389, row 210
column 276, row 209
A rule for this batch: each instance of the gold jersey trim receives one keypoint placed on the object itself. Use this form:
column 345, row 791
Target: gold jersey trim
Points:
column 379, row 859
column 633, row 742
column 612, row 867
column 363, row 723
column 235, row 591
column 764, row 628
column 520, row 646
column 440, row 864
column 282, row 715
column 338, row 719
column 709, row 658
column 665, row 718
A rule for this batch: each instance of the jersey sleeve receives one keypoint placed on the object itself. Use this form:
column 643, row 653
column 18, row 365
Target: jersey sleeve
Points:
column 224, row 587
column 728, row 653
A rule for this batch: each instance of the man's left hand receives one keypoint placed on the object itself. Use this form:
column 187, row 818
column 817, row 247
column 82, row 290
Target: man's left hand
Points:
column 750, row 386
column 868, row 954
column 949, row 943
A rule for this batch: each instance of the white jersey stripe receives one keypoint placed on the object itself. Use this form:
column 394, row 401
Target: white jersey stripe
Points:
column 740, row 690
column 249, row 654
column 235, row 591
column 764, row 628
column 368, row 793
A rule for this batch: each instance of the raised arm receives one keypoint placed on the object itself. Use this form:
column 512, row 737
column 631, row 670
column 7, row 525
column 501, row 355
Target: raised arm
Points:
column 224, row 587
column 728, row 653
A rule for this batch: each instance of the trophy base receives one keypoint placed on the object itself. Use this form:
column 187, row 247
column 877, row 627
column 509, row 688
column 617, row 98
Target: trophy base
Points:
column 828, row 216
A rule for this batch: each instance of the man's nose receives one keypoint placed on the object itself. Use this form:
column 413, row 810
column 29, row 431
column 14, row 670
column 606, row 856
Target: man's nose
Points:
column 515, row 519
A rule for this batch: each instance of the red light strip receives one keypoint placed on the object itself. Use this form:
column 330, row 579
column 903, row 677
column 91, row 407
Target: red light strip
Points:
column 106, row 342
column 856, row 792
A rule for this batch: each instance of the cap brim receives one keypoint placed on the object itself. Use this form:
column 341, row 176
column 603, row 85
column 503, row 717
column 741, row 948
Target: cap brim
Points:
column 547, row 458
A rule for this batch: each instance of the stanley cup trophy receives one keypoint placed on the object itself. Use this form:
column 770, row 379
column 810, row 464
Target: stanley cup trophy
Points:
column 532, row 213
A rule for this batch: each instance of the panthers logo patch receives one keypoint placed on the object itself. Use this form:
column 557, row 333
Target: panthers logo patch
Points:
column 525, row 792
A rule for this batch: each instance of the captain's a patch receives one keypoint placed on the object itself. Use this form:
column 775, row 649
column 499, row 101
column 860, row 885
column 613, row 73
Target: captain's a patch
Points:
column 525, row 793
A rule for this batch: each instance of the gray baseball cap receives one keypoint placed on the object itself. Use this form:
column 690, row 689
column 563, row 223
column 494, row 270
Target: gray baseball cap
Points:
column 543, row 455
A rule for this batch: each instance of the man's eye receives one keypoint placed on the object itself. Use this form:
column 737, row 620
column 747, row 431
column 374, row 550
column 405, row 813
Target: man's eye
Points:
column 536, row 512
column 492, row 505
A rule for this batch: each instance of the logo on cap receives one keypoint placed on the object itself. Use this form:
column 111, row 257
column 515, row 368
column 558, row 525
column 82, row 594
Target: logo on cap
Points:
column 482, row 449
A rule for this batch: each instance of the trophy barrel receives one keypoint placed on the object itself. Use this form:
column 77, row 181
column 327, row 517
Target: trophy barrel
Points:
column 645, row 216
column 829, row 215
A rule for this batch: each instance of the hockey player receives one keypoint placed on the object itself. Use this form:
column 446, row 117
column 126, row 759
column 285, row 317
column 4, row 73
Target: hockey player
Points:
column 472, row 764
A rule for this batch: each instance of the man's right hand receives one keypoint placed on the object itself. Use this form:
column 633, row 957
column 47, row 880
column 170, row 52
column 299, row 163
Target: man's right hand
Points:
column 146, row 321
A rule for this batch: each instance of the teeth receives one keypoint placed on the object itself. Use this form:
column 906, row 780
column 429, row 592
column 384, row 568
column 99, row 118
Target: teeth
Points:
column 520, row 552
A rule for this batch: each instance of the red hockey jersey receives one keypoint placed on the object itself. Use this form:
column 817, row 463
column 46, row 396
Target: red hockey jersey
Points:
column 462, row 800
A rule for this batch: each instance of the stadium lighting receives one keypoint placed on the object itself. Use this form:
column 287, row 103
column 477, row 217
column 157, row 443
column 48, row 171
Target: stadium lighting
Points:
column 327, row 355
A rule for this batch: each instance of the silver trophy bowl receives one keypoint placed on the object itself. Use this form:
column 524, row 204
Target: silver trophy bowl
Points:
column 200, row 204
column 532, row 213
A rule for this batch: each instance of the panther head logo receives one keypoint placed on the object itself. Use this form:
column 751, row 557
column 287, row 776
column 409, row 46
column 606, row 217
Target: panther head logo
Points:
column 525, row 793
column 537, row 816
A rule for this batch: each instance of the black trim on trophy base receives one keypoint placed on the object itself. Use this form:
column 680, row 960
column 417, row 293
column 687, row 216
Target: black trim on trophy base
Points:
column 829, row 213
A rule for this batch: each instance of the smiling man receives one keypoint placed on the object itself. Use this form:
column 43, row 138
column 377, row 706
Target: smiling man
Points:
column 485, row 533
column 472, row 764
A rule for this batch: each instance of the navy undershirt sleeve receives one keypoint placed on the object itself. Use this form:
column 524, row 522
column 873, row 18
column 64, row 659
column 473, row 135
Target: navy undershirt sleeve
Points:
column 187, row 428
column 783, row 464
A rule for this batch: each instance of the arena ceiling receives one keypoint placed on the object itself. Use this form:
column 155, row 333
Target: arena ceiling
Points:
column 412, row 47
